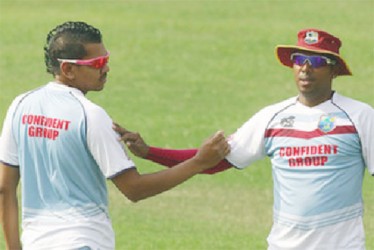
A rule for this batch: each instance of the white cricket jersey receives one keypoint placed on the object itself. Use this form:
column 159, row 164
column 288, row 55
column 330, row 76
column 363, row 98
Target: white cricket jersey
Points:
column 65, row 148
column 318, row 157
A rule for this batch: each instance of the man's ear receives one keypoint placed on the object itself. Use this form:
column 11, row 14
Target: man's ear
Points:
column 67, row 71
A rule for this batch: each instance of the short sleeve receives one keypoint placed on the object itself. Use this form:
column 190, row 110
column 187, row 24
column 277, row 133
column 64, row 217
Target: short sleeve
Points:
column 362, row 116
column 247, row 143
column 366, row 132
column 8, row 145
column 104, row 143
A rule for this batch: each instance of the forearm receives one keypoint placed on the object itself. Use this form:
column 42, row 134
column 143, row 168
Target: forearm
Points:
column 169, row 157
column 172, row 157
column 138, row 187
column 163, row 156
column 9, row 178
column 9, row 220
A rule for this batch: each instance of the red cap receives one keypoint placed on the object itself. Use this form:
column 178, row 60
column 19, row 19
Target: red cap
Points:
column 317, row 41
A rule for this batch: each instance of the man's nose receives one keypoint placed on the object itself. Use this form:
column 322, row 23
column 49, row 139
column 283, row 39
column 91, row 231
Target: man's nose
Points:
column 306, row 67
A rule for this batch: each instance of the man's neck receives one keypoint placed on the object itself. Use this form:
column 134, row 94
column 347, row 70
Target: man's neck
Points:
column 310, row 101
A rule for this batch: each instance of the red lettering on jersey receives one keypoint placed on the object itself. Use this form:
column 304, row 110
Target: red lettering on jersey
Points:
column 308, row 150
column 314, row 161
column 308, row 156
column 46, row 127
column 43, row 132
column 46, row 121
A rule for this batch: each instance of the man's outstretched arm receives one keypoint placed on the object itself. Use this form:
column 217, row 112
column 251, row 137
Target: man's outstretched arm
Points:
column 172, row 157
column 163, row 156
column 137, row 186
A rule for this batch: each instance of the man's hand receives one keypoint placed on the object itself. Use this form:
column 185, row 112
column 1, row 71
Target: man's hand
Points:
column 212, row 151
column 133, row 141
column 136, row 186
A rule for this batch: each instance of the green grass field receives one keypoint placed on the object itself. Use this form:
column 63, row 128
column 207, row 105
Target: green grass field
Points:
column 180, row 70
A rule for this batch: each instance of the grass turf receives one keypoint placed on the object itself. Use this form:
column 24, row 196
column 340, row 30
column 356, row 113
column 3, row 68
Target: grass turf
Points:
column 180, row 70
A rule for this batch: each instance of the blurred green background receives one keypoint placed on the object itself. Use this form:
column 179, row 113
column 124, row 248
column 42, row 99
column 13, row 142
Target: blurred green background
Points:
column 180, row 70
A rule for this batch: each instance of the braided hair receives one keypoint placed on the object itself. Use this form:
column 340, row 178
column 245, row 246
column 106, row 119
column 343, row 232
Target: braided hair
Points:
column 66, row 41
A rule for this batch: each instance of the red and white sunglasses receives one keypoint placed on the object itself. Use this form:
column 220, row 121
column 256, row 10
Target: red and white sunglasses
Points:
column 97, row 62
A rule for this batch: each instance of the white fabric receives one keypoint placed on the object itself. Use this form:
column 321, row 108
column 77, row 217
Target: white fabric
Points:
column 347, row 235
column 318, row 157
column 52, row 233
column 63, row 168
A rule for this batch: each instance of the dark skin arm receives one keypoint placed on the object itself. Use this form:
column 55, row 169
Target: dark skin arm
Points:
column 165, row 157
column 137, row 186
column 9, row 179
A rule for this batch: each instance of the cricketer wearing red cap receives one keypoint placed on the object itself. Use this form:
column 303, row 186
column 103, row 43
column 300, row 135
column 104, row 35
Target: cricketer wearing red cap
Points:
column 319, row 145
column 314, row 41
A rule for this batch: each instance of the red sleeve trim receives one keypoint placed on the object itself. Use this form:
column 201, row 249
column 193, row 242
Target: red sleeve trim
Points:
column 172, row 157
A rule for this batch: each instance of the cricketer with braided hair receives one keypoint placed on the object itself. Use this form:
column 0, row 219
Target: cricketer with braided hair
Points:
column 320, row 144
column 62, row 148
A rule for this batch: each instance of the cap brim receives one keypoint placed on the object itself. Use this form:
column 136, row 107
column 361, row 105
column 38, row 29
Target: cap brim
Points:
column 283, row 54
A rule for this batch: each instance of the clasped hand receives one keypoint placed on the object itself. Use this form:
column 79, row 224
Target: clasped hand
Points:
column 210, row 153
